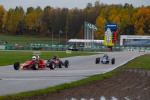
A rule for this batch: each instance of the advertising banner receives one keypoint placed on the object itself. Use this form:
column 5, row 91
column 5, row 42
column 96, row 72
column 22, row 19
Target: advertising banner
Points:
column 110, row 34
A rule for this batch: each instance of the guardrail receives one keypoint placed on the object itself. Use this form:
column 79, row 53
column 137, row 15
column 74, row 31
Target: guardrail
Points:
column 2, row 47
column 66, row 47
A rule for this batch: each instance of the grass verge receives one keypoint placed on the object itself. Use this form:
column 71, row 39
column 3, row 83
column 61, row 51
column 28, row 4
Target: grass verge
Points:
column 9, row 57
column 25, row 39
column 142, row 61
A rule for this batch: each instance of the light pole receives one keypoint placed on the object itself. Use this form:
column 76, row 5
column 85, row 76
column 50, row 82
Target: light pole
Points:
column 52, row 37
column 66, row 37
column 60, row 32
column 59, row 38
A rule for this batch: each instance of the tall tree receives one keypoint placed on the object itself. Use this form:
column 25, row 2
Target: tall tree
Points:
column 21, row 22
column 100, row 24
column 2, row 12
column 97, row 4
column 89, row 6
column 29, row 10
column 142, row 21
column 15, row 18
column 46, row 21
column 139, row 25
column 33, row 20
column 4, row 22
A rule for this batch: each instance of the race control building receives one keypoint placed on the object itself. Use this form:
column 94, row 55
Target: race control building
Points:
column 134, row 40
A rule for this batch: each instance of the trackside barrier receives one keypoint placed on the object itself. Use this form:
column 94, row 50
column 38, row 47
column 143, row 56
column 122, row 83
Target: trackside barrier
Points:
column 37, row 44
column 47, row 45
column 68, row 51
column 65, row 47
column 16, row 44
column 6, row 47
column 36, row 53
column 52, row 47
column 2, row 47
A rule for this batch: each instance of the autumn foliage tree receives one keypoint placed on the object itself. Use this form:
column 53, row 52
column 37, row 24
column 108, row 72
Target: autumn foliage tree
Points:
column 100, row 24
column 1, row 17
column 142, row 24
column 44, row 22
column 33, row 20
column 15, row 20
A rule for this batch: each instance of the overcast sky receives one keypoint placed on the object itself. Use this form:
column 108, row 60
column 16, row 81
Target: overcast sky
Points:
column 66, row 3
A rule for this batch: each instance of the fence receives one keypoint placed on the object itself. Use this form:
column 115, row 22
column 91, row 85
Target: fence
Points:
column 66, row 47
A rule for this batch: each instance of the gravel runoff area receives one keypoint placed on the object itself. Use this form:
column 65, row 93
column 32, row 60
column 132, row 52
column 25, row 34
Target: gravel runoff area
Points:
column 128, row 84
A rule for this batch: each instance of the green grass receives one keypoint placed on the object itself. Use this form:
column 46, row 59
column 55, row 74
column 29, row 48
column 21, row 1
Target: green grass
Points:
column 24, row 40
column 138, row 62
column 9, row 57
column 142, row 62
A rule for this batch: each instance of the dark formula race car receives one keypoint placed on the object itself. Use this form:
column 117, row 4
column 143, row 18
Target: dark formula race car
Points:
column 34, row 64
column 56, row 62
column 105, row 60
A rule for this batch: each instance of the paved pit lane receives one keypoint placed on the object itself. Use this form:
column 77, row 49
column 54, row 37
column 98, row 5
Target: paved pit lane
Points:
column 13, row 81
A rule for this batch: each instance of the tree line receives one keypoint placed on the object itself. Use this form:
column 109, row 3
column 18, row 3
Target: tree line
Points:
column 35, row 21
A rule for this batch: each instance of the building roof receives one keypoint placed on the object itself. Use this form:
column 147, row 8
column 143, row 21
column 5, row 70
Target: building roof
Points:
column 85, row 40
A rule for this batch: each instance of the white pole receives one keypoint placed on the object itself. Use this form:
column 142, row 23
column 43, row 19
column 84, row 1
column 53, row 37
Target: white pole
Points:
column 84, row 33
column 59, row 38
column 92, row 37
column 52, row 37
column 66, row 37
column 88, row 36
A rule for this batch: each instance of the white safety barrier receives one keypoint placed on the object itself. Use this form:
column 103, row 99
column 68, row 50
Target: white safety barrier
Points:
column 36, row 53
column 69, row 51
column 2, row 47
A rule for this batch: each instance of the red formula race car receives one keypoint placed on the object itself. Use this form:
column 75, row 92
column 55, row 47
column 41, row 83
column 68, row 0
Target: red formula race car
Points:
column 56, row 62
column 34, row 64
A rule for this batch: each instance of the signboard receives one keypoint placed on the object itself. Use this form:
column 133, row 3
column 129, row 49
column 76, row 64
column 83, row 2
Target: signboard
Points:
column 110, row 34
column 36, row 53
column 112, row 26
column 2, row 47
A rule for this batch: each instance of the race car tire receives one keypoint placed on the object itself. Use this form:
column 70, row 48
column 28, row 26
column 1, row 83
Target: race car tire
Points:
column 52, row 65
column 35, row 66
column 97, row 61
column 16, row 65
column 66, row 63
column 113, row 60
column 60, row 64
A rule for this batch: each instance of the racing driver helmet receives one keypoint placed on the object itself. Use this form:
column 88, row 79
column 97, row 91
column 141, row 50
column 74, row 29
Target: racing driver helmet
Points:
column 34, row 58
column 105, row 55
column 54, row 57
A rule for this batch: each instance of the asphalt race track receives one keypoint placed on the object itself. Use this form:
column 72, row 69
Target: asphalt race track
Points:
column 12, row 81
